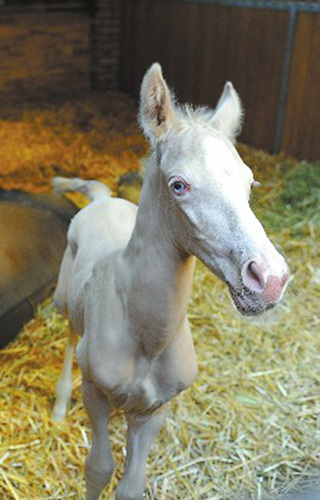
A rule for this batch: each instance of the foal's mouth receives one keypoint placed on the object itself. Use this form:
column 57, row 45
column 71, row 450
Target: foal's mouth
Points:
column 247, row 302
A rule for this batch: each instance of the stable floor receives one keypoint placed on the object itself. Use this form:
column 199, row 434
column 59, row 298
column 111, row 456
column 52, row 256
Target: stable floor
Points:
column 247, row 428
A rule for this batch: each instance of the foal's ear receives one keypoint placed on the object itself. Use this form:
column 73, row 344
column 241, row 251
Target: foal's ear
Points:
column 156, row 106
column 228, row 114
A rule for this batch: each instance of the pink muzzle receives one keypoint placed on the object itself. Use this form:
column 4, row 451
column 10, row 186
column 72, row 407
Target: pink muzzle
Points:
column 260, row 286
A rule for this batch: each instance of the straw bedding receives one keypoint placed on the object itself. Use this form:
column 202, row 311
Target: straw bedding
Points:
column 247, row 428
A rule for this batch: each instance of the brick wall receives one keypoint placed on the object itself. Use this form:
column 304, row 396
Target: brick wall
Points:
column 105, row 45
column 44, row 50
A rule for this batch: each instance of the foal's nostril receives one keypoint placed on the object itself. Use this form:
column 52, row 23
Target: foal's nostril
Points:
column 254, row 276
column 257, row 274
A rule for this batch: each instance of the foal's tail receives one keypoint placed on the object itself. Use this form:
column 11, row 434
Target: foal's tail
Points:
column 91, row 189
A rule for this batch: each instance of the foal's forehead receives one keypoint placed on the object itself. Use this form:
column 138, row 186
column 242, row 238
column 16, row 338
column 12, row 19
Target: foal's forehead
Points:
column 221, row 155
column 199, row 150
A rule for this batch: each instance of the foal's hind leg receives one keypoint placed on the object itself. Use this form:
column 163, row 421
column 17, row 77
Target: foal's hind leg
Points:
column 99, row 463
column 142, row 431
column 64, row 386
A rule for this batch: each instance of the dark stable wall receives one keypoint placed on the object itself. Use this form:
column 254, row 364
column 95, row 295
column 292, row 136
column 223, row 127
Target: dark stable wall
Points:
column 55, row 48
column 302, row 122
column 43, row 51
column 201, row 46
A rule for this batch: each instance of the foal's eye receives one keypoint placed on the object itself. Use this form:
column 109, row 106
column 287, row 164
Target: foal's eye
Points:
column 178, row 185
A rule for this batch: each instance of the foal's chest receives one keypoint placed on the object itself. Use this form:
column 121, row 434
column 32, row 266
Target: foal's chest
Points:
column 153, row 383
column 133, row 382
column 138, row 367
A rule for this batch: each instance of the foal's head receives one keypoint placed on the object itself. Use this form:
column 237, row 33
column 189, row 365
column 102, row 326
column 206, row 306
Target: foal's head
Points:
column 205, row 188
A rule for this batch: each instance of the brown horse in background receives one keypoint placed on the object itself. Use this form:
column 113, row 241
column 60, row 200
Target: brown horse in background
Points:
column 33, row 229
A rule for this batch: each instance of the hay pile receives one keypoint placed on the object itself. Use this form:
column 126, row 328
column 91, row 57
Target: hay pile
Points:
column 247, row 429
column 89, row 137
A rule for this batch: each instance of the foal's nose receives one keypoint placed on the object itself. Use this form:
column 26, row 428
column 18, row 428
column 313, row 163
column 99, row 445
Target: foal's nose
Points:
column 255, row 274
column 258, row 277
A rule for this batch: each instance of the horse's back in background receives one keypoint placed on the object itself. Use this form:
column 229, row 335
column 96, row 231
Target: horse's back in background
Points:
column 33, row 229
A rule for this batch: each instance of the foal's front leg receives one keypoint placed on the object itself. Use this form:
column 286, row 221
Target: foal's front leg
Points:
column 142, row 431
column 99, row 463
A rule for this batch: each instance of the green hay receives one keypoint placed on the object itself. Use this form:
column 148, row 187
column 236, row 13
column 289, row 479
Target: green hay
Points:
column 296, row 207
column 302, row 187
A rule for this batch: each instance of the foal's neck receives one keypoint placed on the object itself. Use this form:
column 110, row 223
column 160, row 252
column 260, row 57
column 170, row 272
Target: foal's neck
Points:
column 161, row 275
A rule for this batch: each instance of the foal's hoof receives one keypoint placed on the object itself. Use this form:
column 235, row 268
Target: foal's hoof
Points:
column 59, row 413
column 127, row 494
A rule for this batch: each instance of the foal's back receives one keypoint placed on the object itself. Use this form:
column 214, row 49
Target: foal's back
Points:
column 97, row 231
column 103, row 226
